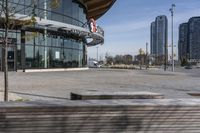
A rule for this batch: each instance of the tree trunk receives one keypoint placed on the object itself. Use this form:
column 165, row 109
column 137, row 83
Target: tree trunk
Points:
column 6, row 72
column 6, row 53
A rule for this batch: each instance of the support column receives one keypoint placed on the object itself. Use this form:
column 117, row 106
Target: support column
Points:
column 23, row 61
column 15, row 57
column 85, row 56
column 2, row 59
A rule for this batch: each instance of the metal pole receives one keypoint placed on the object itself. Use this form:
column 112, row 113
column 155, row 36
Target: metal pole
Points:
column 172, row 21
column 45, row 35
column 147, row 62
column 140, row 52
column 166, row 56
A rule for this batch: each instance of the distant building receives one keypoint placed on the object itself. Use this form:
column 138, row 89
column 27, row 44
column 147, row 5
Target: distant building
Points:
column 183, row 42
column 153, row 39
column 159, row 39
column 189, row 40
column 161, row 34
column 194, row 38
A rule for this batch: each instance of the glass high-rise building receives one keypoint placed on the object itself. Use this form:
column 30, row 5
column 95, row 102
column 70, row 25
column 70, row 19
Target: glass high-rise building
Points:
column 183, row 42
column 194, row 38
column 59, row 38
column 189, row 40
column 153, row 39
column 159, row 39
column 161, row 23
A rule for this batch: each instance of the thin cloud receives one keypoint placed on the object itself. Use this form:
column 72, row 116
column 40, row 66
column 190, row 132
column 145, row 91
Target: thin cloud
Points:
column 127, row 27
column 184, row 17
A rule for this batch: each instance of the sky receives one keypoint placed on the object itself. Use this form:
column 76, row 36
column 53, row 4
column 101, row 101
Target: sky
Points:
column 127, row 24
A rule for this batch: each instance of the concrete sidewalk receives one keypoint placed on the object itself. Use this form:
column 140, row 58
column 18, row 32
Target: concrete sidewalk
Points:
column 58, row 85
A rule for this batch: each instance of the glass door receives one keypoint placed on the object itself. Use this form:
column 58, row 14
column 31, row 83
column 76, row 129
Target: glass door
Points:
column 12, row 58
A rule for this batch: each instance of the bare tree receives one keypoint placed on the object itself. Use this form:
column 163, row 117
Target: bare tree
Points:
column 10, row 21
column 109, row 59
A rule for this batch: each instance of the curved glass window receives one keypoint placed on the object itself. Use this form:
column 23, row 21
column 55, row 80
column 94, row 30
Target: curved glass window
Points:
column 67, row 11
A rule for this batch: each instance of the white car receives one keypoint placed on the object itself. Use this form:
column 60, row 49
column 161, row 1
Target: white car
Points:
column 94, row 64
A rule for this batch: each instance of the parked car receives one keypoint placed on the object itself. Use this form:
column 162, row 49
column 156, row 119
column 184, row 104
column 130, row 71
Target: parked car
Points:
column 94, row 64
column 198, row 65
column 188, row 67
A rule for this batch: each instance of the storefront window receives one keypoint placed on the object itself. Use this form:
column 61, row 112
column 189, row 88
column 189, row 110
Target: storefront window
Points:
column 61, row 50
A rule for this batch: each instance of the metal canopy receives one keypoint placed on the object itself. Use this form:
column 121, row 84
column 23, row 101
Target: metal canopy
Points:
column 97, row 38
column 96, row 8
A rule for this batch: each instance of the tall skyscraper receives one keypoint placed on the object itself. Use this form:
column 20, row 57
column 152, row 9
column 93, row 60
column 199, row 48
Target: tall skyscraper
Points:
column 161, row 34
column 189, row 40
column 159, row 39
column 153, row 39
column 183, row 42
column 194, row 38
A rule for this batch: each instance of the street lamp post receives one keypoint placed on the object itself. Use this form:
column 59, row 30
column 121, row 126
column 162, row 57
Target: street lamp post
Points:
column 45, row 35
column 172, row 26
column 140, row 52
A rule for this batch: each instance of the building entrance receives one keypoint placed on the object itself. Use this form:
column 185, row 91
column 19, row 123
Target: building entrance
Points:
column 11, row 58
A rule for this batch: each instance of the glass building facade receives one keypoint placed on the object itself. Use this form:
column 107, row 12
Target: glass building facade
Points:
column 189, row 41
column 159, row 40
column 193, row 38
column 60, row 51
column 153, row 39
column 33, row 48
column 161, row 23
column 66, row 11
column 183, row 42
